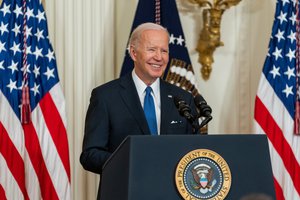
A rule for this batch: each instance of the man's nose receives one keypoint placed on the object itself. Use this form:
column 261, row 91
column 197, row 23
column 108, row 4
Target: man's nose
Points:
column 158, row 55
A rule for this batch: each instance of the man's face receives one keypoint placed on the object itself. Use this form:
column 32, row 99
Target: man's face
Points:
column 151, row 55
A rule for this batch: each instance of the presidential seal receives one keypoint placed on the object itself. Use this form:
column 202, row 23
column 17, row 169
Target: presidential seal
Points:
column 203, row 174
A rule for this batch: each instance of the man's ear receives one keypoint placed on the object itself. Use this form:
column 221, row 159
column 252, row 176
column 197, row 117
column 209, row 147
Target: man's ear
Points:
column 132, row 52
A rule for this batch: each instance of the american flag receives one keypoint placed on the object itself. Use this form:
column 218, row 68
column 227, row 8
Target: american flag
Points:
column 277, row 100
column 34, row 155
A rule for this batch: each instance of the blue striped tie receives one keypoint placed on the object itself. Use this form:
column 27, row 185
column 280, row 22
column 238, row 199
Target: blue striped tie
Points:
column 149, row 110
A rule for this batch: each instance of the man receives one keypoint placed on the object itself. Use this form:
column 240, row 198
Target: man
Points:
column 116, row 108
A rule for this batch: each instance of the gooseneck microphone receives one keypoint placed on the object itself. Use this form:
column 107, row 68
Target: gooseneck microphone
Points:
column 204, row 109
column 184, row 109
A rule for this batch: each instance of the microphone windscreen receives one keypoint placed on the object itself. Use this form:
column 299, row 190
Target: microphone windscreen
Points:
column 199, row 100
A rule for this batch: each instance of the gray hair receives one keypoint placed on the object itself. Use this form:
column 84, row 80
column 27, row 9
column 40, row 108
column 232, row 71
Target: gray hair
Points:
column 137, row 32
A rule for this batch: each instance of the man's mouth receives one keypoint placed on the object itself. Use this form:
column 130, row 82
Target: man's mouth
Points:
column 155, row 65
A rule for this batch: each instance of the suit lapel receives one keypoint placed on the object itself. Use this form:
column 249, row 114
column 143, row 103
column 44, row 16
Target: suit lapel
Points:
column 130, row 96
column 166, row 103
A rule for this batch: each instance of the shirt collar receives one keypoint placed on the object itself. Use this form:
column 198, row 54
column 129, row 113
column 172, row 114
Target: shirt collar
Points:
column 141, row 86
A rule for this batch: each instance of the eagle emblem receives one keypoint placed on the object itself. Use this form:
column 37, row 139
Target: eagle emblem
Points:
column 203, row 178
column 199, row 176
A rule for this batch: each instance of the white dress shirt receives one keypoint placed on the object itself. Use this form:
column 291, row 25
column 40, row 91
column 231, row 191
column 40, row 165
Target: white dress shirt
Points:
column 141, row 86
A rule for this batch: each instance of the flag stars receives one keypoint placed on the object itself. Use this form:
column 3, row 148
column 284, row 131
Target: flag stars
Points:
column 35, row 89
column 39, row 34
column 29, row 13
column 38, row 53
column 36, row 71
column 2, row 46
column 12, row 85
column 288, row 90
column 1, row 65
column 16, row 29
column 18, row 11
column 15, row 48
column 285, row 1
column 277, row 53
column 49, row 73
column 13, row 67
column 3, row 28
column 27, row 69
column 291, row 54
column 28, row 50
column 172, row 39
column 40, row 16
column 268, row 54
column 293, row 18
column 28, row 31
column 279, row 35
column 290, row 72
column 282, row 17
column 180, row 40
column 50, row 55
column 292, row 36
column 21, row 86
column 275, row 71
column 128, row 49
column 5, row 9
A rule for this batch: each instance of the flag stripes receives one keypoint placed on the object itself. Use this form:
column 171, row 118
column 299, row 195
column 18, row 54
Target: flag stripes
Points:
column 35, row 153
column 278, row 190
column 8, row 182
column 2, row 192
column 14, row 161
column 279, row 142
column 56, row 129
column 274, row 120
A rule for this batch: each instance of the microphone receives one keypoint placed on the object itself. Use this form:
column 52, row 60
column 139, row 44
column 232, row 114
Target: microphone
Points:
column 204, row 109
column 184, row 109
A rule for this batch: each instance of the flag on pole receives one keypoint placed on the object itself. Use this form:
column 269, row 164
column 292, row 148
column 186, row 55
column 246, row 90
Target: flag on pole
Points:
column 277, row 100
column 34, row 155
column 179, row 70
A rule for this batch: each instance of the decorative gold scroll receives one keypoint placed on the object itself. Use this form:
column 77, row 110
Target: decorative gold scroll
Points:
column 210, row 35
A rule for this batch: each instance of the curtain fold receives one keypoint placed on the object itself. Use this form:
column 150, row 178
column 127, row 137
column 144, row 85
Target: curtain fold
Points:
column 82, row 34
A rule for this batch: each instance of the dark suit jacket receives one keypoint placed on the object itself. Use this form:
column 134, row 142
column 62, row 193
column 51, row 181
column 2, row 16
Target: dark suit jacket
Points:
column 115, row 112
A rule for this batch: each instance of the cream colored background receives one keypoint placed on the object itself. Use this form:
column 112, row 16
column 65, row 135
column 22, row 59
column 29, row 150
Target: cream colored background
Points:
column 89, row 39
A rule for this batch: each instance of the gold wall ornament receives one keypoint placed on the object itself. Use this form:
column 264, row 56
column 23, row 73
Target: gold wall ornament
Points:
column 210, row 35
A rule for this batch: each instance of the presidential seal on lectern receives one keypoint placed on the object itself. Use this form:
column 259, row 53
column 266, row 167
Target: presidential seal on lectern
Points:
column 203, row 174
